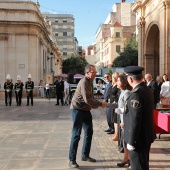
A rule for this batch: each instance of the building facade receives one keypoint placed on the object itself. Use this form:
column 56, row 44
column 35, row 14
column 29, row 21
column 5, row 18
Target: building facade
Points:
column 111, row 36
column 63, row 28
column 153, row 21
column 27, row 44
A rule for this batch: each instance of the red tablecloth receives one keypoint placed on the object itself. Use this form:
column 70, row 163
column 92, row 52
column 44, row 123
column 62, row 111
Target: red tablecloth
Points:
column 162, row 122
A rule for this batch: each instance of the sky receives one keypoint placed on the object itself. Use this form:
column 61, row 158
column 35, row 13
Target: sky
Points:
column 88, row 14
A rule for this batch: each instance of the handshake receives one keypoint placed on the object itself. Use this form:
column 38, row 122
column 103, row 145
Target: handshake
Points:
column 104, row 104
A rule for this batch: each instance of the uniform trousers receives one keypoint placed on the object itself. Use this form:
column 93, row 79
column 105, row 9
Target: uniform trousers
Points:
column 139, row 158
column 18, row 97
column 81, row 119
column 8, row 95
column 30, row 95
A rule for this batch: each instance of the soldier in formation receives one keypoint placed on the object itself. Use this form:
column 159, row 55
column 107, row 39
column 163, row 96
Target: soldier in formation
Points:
column 8, row 86
column 29, row 85
column 18, row 90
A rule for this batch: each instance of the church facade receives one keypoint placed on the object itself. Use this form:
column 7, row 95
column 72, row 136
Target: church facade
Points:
column 153, row 30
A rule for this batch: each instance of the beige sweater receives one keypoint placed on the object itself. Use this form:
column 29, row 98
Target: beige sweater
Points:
column 83, row 98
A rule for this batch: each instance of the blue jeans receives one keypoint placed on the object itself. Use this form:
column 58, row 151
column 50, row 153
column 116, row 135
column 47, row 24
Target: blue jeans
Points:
column 81, row 119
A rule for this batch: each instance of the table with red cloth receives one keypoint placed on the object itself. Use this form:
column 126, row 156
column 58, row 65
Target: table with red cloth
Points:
column 162, row 121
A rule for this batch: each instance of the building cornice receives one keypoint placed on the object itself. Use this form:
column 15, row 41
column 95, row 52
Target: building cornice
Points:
column 138, row 5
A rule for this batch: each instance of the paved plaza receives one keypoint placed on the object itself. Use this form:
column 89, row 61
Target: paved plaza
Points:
column 38, row 137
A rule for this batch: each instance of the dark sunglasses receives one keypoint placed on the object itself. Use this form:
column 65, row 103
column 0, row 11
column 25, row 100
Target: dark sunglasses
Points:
column 106, row 77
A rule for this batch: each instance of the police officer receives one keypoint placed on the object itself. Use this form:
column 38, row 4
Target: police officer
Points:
column 8, row 86
column 29, row 85
column 18, row 90
column 138, row 119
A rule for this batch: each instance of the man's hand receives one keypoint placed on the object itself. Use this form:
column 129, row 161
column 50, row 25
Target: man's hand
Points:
column 130, row 147
column 104, row 104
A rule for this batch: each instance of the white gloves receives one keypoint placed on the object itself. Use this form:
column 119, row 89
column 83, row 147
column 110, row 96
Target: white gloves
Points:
column 130, row 147
column 119, row 110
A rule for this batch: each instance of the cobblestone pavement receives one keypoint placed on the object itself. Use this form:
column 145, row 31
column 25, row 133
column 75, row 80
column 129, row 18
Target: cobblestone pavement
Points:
column 38, row 137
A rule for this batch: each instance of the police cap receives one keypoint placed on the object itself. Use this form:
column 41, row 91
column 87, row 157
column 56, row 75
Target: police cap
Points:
column 133, row 70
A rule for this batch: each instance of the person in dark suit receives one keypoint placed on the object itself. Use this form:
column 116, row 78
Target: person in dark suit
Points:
column 139, row 132
column 59, row 90
column 159, row 84
column 110, row 129
column 153, row 85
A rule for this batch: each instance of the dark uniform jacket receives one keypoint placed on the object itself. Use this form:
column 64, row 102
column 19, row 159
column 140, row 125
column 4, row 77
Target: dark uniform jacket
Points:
column 19, row 86
column 138, row 117
column 29, row 85
column 8, row 86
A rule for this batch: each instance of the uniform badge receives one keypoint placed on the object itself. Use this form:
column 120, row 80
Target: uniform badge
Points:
column 134, row 103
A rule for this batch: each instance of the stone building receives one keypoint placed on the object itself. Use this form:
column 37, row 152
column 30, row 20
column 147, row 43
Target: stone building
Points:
column 153, row 25
column 63, row 28
column 111, row 36
column 27, row 43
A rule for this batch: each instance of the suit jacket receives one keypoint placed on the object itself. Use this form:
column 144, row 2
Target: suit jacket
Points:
column 106, row 92
column 138, row 117
column 59, row 86
column 154, row 87
column 159, row 84
column 114, row 93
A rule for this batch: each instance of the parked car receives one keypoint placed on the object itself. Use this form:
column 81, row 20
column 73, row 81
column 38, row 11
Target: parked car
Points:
column 73, row 86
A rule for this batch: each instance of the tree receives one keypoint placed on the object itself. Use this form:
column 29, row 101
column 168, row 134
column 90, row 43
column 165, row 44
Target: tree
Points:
column 74, row 64
column 129, row 56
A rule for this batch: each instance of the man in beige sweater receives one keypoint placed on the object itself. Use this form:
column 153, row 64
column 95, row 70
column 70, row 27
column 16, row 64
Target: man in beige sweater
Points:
column 81, row 104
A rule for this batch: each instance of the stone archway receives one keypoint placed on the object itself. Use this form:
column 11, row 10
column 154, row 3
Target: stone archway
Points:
column 152, row 50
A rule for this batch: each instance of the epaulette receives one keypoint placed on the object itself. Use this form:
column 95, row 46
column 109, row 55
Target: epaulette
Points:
column 134, row 90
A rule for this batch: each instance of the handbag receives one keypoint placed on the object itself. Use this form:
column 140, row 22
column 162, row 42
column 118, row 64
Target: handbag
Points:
column 165, row 101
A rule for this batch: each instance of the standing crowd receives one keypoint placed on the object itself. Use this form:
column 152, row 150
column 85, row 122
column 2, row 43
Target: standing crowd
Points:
column 62, row 90
column 18, row 88
column 129, row 99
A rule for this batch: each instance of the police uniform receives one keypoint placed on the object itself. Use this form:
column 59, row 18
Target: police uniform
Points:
column 18, row 90
column 29, row 85
column 139, row 130
column 8, row 86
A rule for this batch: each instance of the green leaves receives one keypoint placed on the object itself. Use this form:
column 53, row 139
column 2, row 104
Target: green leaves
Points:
column 74, row 64
column 129, row 56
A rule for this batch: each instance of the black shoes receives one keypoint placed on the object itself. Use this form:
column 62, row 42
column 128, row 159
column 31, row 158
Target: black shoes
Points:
column 88, row 159
column 56, row 104
column 73, row 164
column 122, row 164
column 108, row 130
column 111, row 132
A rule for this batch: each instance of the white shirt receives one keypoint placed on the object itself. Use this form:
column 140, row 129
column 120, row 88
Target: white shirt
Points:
column 165, row 89
column 47, row 86
column 66, row 85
